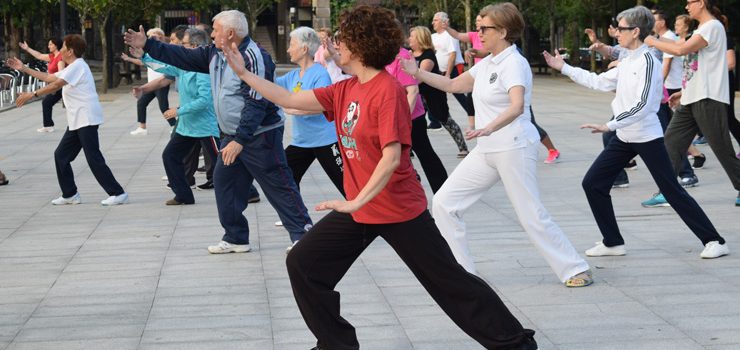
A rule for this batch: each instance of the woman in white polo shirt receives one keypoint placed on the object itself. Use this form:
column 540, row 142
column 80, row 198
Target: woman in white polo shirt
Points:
column 84, row 115
column 638, row 83
column 506, row 150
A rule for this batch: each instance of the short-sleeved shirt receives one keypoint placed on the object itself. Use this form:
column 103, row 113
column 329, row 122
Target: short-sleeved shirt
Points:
column 477, row 44
column 405, row 80
column 53, row 66
column 706, row 76
column 367, row 118
column 309, row 130
column 79, row 95
column 444, row 45
column 494, row 77
column 673, row 80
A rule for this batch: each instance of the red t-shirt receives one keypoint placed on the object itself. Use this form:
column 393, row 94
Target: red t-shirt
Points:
column 368, row 117
column 53, row 66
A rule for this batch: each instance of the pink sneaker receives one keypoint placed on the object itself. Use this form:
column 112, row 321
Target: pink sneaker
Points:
column 552, row 156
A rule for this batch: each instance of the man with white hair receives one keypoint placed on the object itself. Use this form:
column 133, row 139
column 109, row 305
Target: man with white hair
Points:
column 251, row 127
column 449, row 57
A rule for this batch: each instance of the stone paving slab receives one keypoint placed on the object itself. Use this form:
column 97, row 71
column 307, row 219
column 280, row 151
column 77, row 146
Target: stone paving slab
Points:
column 138, row 276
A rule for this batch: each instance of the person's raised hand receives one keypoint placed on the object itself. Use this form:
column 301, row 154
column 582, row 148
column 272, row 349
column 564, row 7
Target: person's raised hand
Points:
column 233, row 57
column 23, row 98
column 409, row 66
column 591, row 35
column 136, row 52
column 555, row 62
column 596, row 128
column 23, row 45
column 135, row 39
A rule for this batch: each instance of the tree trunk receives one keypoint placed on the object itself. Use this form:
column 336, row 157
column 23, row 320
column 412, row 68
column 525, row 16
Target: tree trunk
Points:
column 102, row 22
column 14, row 38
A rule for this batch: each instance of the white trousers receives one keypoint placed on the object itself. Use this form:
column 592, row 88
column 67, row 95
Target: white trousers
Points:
column 517, row 170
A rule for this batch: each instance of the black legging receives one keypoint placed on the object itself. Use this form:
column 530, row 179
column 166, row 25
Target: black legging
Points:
column 47, row 105
column 433, row 168
column 164, row 104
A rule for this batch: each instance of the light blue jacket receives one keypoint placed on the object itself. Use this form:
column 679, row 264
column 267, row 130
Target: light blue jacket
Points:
column 196, row 116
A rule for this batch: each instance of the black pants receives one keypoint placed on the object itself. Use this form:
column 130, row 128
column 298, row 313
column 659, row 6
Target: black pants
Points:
column 164, row 104
column 47, row 105
column 621, row 177
column 320, row 259
column 174, row 157
column 69, row 147
column 192, row 160
column 465, row 100
column 599, row 179
column 329, row 157
column 433, row 168
column 540, row 130
column 710, row 117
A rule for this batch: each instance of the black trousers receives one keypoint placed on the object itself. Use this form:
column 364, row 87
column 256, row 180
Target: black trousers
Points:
column 174, row 156
column 465, row 100
column 47, row 105
column 433, row 168
column 72, row 142
column 329, row 156
column 599, row 179
column 322, row 257
column 164, row 104
column 192, row 160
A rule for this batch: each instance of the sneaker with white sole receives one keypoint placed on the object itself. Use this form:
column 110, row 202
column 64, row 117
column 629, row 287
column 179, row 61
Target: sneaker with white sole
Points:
column 714, row 250
column 46, row 129
column 139, row 132
column 70, row 200
column 601, row 250
column 278, row 223
column 115, row 200
column 691, row 181
column 226, row 247
column 656, row 201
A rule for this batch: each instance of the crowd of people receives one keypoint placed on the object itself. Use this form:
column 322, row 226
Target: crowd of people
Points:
column 359, row 100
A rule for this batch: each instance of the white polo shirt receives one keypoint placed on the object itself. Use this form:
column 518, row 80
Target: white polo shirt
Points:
column 673, row 80
column 79, row 95
column 707, row 75
column 444, row 45
column 494, row 77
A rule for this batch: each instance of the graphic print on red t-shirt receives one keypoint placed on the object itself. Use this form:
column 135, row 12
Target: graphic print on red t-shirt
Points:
column 349, row 122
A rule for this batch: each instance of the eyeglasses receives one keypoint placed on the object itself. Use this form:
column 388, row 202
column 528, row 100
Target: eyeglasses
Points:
column 482, row 29
column 621, row 29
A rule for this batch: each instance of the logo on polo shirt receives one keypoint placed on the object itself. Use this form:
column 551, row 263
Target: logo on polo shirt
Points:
column 493, row 78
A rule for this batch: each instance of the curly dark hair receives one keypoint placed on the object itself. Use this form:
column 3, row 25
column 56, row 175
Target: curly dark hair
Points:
column 371, row 33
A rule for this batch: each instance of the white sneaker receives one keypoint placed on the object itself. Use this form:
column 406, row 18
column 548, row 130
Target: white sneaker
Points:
column 290, row 247
column 601, row 250
column 278, row 223
column 71, row 200
column 46, row 129
column 226, row 247
column 714, row 250
column 139, row 132
column 116, row 200
column 164, row 178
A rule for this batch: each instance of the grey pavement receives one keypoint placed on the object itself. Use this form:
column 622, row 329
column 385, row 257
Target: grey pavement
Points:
column 138, row 276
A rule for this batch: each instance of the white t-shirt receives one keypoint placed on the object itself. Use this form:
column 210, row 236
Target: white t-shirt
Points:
column 79, row 95
column 494, row 77
column 673, row 81
column 444, row 44
column 706, row 75
column 152, row 75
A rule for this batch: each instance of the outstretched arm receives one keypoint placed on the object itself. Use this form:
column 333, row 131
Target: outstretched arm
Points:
column 462, row 83
column 19, row 66
column 38, row 55
column 194, row 60
column 305, row 100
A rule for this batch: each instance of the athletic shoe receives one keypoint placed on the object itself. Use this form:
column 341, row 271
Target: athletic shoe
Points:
column 201, row 169
column 621, row 184
column 46, row 129
column 208, row 185
column 278, row 223
column 688, row 182
column 737, row 200
column 70, row 200
column 174, row 201
column 632, row 165
column 552, row 156
column 192, row 187
column 139, row 132
column 115, row 200
column 714, row 250
column 434, row 126
column 700, row 141
column 226, row 247
column 462, row 154
column 657, row 201
column 699, row 161
column 601, row 250
column 164, row 178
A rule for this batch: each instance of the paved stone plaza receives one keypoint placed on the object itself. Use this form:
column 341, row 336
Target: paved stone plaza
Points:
column 138, row 276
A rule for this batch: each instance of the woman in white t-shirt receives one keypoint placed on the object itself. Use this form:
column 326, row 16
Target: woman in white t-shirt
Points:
column 84, row 115
column 506, row 150
column 702, row 104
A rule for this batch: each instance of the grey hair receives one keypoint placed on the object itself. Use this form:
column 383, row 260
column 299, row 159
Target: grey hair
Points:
column 234, row 19
column 442, row 16
column 640, row 17
column 198, row 37
column 308, row 38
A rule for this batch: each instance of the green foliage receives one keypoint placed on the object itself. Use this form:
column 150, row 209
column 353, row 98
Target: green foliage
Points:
column 337, row 6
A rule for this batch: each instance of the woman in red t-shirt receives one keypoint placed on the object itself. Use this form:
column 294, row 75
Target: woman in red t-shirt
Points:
column 371, row 116
column 54, row 64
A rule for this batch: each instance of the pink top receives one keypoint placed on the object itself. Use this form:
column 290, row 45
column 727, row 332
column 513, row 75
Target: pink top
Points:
column 475, row 40
column 405, row 80
column 319, row 56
